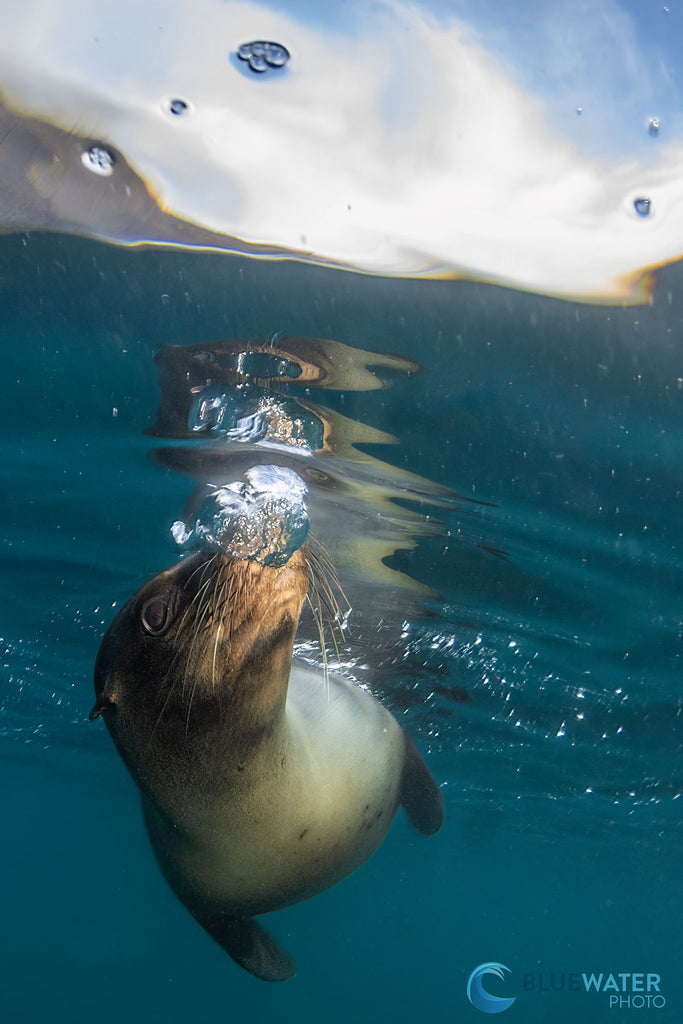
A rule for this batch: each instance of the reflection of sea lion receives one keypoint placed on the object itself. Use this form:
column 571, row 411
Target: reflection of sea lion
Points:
column 259, row 787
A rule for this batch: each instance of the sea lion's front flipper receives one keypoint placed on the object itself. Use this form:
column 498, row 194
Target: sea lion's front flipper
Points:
column 248, row 944
column 420, row 796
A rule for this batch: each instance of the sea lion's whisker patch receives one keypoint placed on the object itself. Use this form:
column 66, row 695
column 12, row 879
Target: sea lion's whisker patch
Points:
column 163, row 707
column 219, row 625
column 178, row 650
column 202, row 618
column 226, row 611
column 315, row 609
column 196, row 600
column 215, row 652
column 325, row 585
column 180, row 638
column 324, row 573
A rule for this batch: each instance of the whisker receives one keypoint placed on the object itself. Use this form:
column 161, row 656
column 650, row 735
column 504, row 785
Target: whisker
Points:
column 215, row 652
column 315, row 609
column 200, row 610
column 179, row 650
column 202, row 619
column 326, row 586
column 218, row 618
column 197, row 597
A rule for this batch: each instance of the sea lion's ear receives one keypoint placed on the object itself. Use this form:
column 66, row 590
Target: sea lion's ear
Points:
column 102, row 703
column 247, row 943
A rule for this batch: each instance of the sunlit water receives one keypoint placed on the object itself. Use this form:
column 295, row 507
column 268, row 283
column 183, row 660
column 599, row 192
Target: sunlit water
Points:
column 540, row 673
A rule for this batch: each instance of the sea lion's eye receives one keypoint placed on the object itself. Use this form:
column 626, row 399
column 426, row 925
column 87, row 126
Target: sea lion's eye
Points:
column 155, row 615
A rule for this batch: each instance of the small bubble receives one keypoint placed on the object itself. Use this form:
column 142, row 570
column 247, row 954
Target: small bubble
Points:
column 257, row 62
column 178, row 107
column 98, row 160
column 642, row 206
column 653, row 126
column 115, row 412
column 277, row 56
column 179, row 533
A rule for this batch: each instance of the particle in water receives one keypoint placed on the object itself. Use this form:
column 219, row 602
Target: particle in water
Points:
column 98, row 160
column 178, row 107
column 642, row 206
column 262, row 56
column 653, row 126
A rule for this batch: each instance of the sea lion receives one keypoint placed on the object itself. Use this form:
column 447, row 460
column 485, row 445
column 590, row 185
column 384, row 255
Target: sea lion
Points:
column 261, row 783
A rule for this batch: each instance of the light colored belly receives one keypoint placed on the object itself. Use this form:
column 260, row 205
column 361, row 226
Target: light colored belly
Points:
column 303, row 820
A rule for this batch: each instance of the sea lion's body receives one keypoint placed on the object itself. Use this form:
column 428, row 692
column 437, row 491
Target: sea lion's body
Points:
column 262, row 783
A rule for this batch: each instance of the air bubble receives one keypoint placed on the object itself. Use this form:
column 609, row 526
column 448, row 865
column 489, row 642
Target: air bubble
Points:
column 98, row 160
column 642, row 206
column 178, row 107
column 257, row 62
column 263, row 518
column 262, row 55
column 277, row 56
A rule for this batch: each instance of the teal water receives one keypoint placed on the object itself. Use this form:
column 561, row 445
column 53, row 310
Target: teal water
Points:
column 558, row 613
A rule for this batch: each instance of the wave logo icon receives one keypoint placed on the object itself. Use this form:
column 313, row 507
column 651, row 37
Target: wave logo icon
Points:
column 477, row 994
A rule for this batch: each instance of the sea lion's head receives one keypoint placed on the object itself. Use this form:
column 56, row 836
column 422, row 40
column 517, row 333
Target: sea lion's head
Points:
column 200, row 656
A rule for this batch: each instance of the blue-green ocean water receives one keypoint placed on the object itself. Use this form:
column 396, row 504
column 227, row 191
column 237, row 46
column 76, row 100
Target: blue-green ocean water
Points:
column 559, row 613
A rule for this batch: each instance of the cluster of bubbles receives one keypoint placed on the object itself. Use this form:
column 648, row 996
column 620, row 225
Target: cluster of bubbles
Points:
column 262, row 56
column 253, row 418
column 262, row 518
column 98, row 160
